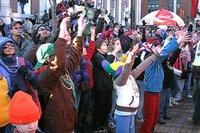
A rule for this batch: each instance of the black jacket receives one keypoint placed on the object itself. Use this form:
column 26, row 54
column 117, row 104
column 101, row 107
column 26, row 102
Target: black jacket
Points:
column 102, row 80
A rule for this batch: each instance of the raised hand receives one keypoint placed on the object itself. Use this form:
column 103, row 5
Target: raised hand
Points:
column 135, row 48
column 92, row 30
column 63, row 28
column 81, row 25
column 182, row 37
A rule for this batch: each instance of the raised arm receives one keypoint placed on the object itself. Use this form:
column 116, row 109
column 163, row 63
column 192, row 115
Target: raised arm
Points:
column 123, row 77
column 143, row 65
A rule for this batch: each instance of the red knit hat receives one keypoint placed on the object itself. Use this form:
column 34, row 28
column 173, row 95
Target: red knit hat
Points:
column 23, row 109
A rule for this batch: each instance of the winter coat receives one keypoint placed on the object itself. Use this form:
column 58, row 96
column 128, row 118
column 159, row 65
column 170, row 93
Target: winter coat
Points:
column 80, row 75
column 30, row 53
column 5, row 29
column 11, row 65
column 102, row 80
column 21, row 47
column 127, row 89
column 60, row 114
column 23, row 1
column 154, row 74
column 88, row 57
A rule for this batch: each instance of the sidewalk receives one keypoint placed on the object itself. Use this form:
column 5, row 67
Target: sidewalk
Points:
column 178, row 123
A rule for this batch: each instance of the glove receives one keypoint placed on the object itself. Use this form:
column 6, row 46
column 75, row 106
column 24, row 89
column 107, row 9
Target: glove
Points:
column 143, row 23
column 23, row 70
column 75, row 15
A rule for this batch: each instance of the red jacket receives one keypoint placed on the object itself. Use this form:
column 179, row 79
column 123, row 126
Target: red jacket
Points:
column 88, row 57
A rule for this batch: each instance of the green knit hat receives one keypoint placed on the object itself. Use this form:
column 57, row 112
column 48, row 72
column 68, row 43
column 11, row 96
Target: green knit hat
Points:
column 43, row 51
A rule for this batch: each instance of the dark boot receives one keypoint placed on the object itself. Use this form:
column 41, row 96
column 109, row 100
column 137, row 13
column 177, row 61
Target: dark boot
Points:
column 161, row 121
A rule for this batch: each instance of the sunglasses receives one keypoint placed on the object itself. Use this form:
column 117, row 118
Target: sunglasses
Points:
column 7, row 46
column 16, row 28
column 44, row 28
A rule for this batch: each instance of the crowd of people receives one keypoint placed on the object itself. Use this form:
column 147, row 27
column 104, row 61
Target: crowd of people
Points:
column 94, row 74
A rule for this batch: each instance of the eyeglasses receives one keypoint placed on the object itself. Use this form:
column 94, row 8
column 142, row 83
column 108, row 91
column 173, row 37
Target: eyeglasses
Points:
column 44, row 28
column 7, row 46
column 16, row 28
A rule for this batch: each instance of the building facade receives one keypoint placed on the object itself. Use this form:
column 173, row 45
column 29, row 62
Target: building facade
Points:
column 11, row 8
column 133, row 9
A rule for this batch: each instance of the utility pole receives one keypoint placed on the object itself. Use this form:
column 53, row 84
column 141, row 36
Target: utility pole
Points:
column 137, row 11
column 54, row 18
column 132, row 13
column 175, row 6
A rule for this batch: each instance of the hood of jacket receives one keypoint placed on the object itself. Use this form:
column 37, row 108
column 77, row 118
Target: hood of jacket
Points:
column 3, row 41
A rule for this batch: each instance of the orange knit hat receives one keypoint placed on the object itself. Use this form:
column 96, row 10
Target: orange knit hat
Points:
column 23, row 109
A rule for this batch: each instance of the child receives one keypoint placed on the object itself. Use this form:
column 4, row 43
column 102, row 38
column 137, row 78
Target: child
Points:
column 127, row 90
column 24, row 113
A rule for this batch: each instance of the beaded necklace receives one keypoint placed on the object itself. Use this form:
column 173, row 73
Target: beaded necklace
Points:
column 68, row 84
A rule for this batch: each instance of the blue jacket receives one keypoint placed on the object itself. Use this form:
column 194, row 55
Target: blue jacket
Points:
column 154, row 74
column 11, row 65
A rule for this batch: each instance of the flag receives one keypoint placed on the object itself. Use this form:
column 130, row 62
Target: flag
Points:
column 194, row 8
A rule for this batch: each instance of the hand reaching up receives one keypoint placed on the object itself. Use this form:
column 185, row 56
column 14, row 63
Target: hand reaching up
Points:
column 92, row 30
column 135, row 48
column 81, row 25
column 117, row 49
column 133, row 52
column 63, row 28
column 182, row 37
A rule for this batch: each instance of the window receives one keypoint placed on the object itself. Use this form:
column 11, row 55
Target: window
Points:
column 153, row 5
column 171, row 5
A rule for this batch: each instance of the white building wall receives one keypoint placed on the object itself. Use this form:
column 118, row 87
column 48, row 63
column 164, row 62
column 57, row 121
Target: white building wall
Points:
column 45, row 5
column 5, row 10
column 119, row 11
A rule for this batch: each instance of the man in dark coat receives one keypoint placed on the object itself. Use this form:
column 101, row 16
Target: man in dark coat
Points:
column 22, row 4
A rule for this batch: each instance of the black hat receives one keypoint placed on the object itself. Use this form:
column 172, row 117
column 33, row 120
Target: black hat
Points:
column 14, row 23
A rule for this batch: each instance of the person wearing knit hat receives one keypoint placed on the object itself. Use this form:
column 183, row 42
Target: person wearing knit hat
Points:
column 41, row 34
column 42, row 53
column 23, row 113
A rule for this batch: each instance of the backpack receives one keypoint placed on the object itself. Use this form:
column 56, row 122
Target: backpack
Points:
column 31, row 91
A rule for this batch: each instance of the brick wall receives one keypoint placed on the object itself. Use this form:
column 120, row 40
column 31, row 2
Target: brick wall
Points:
column 144, row 8
column 185, row 10
column 163, row 4
column 35, row 6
